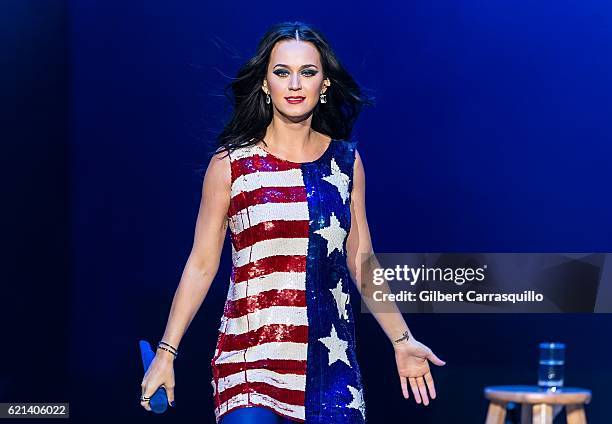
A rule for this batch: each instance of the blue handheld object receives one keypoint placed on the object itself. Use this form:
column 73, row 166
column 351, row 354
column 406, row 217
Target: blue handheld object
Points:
column 159, row 400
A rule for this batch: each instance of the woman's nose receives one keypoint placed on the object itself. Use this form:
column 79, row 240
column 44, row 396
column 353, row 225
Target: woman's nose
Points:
column 294, row 82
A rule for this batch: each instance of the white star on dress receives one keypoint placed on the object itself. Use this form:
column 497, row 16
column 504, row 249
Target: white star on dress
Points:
column 341, row 299
column 336, row 347
column 338, row 179
column 334, row 234
column 357, row 401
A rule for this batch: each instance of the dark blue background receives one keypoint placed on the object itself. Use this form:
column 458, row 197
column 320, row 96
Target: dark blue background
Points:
column 491, row 133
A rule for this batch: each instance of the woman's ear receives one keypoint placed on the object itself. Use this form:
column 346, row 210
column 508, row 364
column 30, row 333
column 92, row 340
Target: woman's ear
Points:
column 326, row 83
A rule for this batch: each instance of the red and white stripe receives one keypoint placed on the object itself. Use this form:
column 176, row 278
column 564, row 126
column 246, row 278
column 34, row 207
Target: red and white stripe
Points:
column 263, row 341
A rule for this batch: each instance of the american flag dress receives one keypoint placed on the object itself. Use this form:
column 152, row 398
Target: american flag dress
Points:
column 287, row 336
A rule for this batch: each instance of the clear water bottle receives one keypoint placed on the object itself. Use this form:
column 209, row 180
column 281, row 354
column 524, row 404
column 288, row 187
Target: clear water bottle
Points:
column 552, row 363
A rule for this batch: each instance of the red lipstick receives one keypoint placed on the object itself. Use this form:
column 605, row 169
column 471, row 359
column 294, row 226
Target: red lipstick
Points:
column 295, row 99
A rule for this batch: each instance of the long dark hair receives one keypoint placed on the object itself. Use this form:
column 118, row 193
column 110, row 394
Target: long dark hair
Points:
column 251, row 115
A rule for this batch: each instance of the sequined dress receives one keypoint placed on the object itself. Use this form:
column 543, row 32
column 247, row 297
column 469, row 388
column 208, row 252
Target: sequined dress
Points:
column 287, row 336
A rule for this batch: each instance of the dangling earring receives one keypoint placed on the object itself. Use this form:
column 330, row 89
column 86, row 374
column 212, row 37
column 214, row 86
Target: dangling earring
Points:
column 323, row 98
column 268, row 98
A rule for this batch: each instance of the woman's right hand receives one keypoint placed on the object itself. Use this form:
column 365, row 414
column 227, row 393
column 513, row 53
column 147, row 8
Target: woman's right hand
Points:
column 160, row 373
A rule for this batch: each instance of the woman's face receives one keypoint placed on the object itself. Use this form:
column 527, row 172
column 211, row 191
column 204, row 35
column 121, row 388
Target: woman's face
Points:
column 295, row 70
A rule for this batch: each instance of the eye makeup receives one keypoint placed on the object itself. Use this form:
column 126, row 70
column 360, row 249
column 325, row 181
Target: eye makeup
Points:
column 308, row 72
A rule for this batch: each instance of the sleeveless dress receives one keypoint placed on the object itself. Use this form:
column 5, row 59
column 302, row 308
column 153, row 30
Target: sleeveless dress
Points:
column 287, row 337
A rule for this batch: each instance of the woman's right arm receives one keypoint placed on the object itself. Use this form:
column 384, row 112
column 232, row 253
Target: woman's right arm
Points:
column 198, row 274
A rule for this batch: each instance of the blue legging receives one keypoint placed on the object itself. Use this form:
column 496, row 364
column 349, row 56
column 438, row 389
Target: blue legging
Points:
column 254, row 415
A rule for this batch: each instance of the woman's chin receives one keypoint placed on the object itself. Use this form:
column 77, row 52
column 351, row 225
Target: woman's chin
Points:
column 295, row 114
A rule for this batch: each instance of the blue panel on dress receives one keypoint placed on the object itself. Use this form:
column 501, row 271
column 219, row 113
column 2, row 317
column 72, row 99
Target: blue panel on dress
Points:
column 334, row 392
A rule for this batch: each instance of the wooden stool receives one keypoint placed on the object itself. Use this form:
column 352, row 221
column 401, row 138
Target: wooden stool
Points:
column 536, row 403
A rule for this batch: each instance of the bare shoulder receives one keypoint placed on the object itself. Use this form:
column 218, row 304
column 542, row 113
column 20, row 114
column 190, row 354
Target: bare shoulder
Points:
column 357, row 158
column 220, row 158
column 358, row 167
column 219, row 169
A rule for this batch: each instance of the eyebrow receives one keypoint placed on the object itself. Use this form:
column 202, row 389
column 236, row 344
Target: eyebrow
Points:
column 301, row 67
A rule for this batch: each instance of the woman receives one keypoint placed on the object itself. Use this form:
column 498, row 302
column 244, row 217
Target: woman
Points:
column 292, row 191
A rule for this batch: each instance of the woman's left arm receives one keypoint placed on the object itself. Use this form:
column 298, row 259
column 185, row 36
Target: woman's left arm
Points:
column 411, row 356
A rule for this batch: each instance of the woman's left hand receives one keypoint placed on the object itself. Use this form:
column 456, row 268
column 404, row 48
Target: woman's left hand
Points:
column 412, row 358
